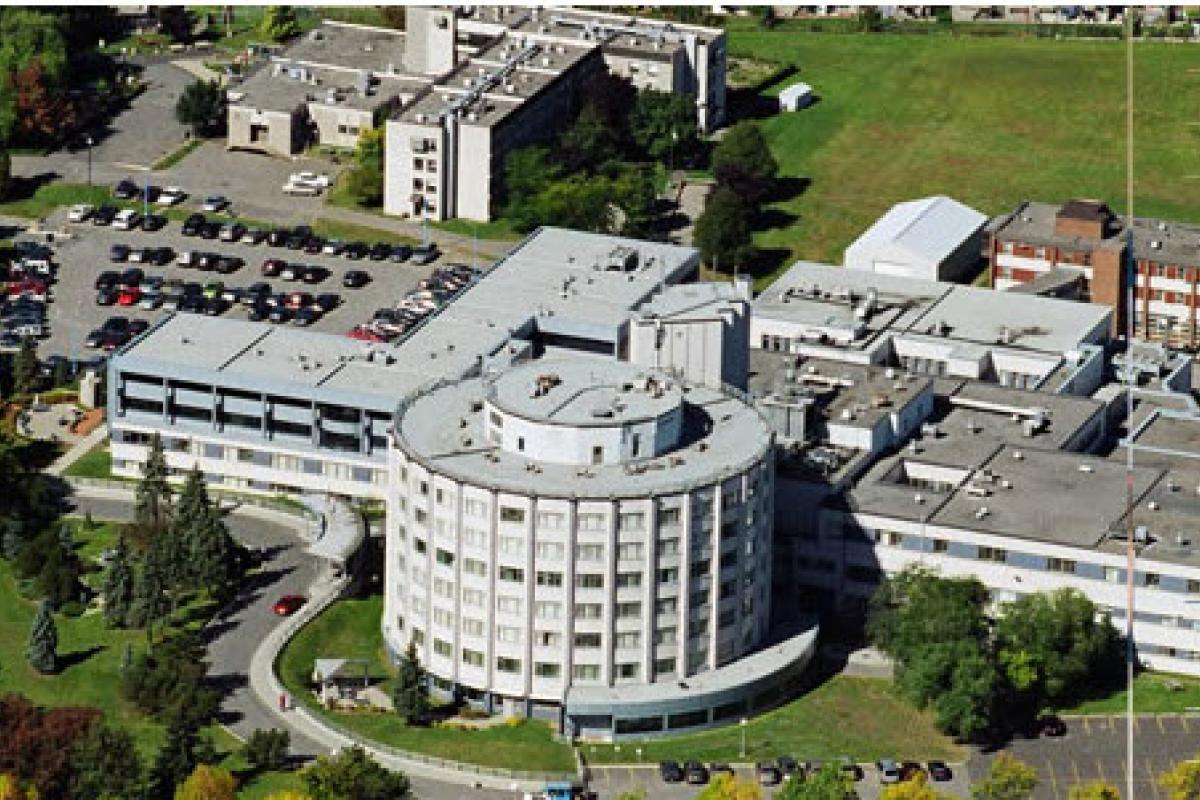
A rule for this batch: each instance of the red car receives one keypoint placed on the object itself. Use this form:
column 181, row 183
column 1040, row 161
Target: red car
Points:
column 34, row 288
column 366, row 334
column 129, row 297
column 289, row 604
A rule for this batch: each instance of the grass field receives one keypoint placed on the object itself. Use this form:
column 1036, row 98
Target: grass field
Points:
column 858, row 717
column 350, row 629
column 1153, row 692
column 987, row 121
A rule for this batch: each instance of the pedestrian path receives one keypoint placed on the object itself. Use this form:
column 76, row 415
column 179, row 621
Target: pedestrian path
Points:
column 77, row 451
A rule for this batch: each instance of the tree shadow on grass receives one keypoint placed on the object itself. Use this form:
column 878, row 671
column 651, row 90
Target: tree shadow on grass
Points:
column 23, row 187
column 787, row 188
column 749, row 102
column 76, row 657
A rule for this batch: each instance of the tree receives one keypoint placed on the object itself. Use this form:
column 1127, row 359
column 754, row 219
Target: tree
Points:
column 201, row 106
column 54, row 568
column 722, row 231
column 589, row 141
column 827, row 783
column 1008, row 778
column 663, row 125
column 11, row 789
column 728, row 787
column 1052, row 645
column 580, row 202
column 279, row 23
column 42, row 650
column 5, row 173
column 150, row 603
column 167, row 682
column 267, row 749
column 1182, row 781
column 411, row 696
column 291, row 795
column 25, row 367
column 743, row 162
column 36, row 743
column 364, row 183
column 153, row 490
column 915, row 788
column 207, row 783
column 106, row 765
column 526, row 173
column 869, row 19
column 175, row 21
column 175, row 761
column 43, row 110
column 119, row 588
column 393, row 16
column 1096, row 790
column 352, row 775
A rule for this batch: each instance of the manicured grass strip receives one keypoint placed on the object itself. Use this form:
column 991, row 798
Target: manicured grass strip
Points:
column 95, row 463
column 350, row 629
column 859, row 717
column 180, row 153
column 48, row 197
column 346, row 231
column 500, row 229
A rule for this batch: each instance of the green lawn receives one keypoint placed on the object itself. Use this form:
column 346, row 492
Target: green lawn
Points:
column 987, row 121
column 48, row 197
column 350, row 629
column 336, row 229
column 501, row 229
column 859, row 717
column 180, row 153
column 95, row 463
column 1153, row 692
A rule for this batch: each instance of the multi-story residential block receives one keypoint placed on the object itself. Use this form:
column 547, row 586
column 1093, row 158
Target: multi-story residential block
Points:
column 1085, row 238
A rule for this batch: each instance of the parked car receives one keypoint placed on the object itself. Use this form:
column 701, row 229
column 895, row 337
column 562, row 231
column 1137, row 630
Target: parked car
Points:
column 215, row 306
column 227, row 265
column 138, row 326
column 81, row 212
column 319, row 180
column 401, row 253
column 355, row 251
column 215, row 203
column 355, row 279
column 787, row 764
column 768, row 774
column 332, row 247
column 889, row 771
column 278, row 237
column 126, row 220
column 125, row 189
column 425, row 253
column 314, row 245
column 313, row 275
column 254, row 236
column 695, row 773
column 272, row 267
column 1051, row 725
column 291, row 272
column 327, row 302
column 380, row 251
column 158, row 256
column 129, row 296
column 153, row 222
column 132, row 277
column 207, row 262
column 151, row 299
column 259, row 311
column 297, row 300
column 118, row 252
column 280, row 314
column 300, row 190
column 193, row 224
column 670, row 771
column 210, row 230
column 232, row 232
column 170, row 196
column 850, row 769
column 104, row 215
column 306, row 316
column 213, row 289
column 938, row 771
column 107, row 279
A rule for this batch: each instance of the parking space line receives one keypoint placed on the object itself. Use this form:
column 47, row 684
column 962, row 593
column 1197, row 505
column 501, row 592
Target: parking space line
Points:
column 1153, row 778
column 1161, row 727
column 1100, row 770
column 1183, row 721
column 1086, row 728
column 1075, row 769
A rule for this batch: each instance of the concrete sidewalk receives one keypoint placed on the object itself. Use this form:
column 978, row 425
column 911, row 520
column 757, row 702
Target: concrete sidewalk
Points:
column 77, row 451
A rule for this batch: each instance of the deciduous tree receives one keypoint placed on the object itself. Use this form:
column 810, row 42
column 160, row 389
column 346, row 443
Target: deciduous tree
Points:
column 279, row 23
column 1008, row 778
column 207, row 783
column 663, row 126
column 915, row 788
column 25, row 367
column 267, row 749
column 43, row 110
column 352, row 775
column 728, row 787
column 827, row 783
column 106, row 764
column 36, row 744
column 1182, row 781
column 201, row 106
column 1096, row 790
column 743, row 162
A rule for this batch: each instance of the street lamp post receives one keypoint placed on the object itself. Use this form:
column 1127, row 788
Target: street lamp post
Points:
column 89, row 147
column 743, row 724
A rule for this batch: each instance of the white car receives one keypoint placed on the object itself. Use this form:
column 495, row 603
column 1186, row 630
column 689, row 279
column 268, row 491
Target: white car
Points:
column 318, row 180
column 81, row 212
column 127, row 220
column 301, row 189
column 171, row 195
column 185, row 259
column 215, row 203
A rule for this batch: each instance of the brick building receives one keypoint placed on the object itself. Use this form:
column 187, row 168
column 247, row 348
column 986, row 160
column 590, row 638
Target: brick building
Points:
column 1087, row 238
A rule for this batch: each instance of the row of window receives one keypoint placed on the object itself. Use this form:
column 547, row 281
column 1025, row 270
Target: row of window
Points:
column 541, row 669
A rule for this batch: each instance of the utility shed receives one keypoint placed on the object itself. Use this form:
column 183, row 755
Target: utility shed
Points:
column 796, row 97
column 933, row 239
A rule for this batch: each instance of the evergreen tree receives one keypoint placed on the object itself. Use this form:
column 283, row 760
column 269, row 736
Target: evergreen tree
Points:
column 126, row 658
column 12, row 538
column 743, row 162
column 267, row 749
column 25, row 367
column 42, row 651
column 150, row 602
column 119, row 588
column 723, row 233
column 153, row 491
column 175, row 760
column 105, row 764
column 410, row 696
column 66, row 536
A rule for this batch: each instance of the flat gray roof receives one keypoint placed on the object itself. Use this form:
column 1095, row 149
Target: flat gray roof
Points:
column 577, row 284
column 380, row 50
column 689, row 301
column 931, row 229
column 444, row 430
column 576, row 390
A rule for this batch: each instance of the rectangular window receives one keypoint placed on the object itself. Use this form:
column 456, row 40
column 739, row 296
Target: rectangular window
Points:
column 632, row 521
column 472, row 597
column 547, row 609
column 508, row 605
column 511, row 574
column 443, row 617
column 475, row 537
column 629, row 610
column 510, row 514
column 1060, row 565
column 549, row 520
column 630, row 551
column 629, row 639
column 590, row 522
column 940, row 545
column 443, row 649
column 668, row 517
column 474, row 508
column 472, row 627
column 589, row 552
column 419, row 545
column 629, row 580
column 473, row 566
column 589, row 580
column 1150, row 579
column 587, row 610
column 665, row 636
column 553, row 550
column 508, row 633
column 443, row 588
column 668, row 575
column 472, row 658
column 586, row 672
column 664, row 666
column 587, row 641
column 667, row 605
column 506, row 664
column 549, row 579
column 547, row 638
column 628, row 671
column 546, row 670
column 445, row 558
column 996, row 554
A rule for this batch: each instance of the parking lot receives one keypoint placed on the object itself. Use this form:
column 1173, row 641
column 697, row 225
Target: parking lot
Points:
column 609, row 782
column 1094, row 749
column 86, row 253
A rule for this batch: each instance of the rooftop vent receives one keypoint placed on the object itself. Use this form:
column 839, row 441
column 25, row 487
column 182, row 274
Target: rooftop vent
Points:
column 1086, row 468
column 919, row 499
column 1018, row 455
column 1152, row 505
column 983, row 512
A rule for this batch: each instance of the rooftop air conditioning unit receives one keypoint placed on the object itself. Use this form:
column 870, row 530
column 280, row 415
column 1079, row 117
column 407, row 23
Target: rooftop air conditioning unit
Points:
column 1156, row 245
column 1086, row 468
